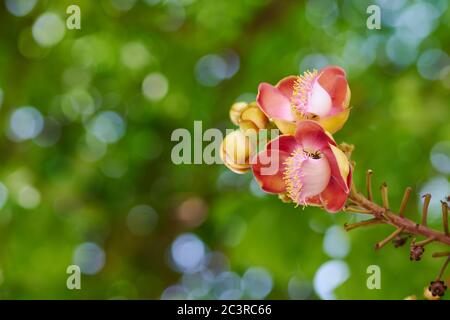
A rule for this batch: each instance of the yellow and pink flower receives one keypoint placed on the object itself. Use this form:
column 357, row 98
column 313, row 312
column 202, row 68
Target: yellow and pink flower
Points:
column 322, row 96
column 310, row 168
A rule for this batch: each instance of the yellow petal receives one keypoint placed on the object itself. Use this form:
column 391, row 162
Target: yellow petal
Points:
column 336, row 122
column 286, row 127
column 342, row 161
column 255, row 115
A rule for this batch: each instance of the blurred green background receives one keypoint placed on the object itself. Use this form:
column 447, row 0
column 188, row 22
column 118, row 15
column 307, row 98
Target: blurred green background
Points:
column 86, row 118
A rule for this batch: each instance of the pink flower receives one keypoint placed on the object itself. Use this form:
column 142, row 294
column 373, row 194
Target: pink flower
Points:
column 310, row 168
column 322, row 96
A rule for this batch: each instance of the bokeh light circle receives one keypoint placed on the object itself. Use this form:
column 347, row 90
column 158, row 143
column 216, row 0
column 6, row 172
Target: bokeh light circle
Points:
column 48, row 29
column 25, row 123
column 90, row 257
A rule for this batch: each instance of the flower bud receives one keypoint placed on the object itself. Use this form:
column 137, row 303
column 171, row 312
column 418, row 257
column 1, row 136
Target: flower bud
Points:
column 248, row 116
column 236, row 110
column 415, row 252
column 437, row 288
column 236, row 151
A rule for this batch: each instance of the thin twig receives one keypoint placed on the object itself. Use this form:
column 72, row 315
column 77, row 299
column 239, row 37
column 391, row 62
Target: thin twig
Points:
column 384, row 195
column 445, row 216
column 382, row 243
column 351, row 226
column 369, row 184
column 440, row 254
column 425, row 242
column 441, row 272
column 356, row 210
column 405, row 199
column 426, row 204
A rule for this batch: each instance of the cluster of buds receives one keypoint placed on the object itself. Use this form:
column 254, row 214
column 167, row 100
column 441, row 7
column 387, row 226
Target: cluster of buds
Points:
column 238, row 147
column 310, row 168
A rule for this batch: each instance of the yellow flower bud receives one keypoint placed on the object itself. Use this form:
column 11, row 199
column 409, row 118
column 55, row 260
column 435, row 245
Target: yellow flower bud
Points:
column 254, row 114
column 248, row 116
column 236, row 151
column 236, row 110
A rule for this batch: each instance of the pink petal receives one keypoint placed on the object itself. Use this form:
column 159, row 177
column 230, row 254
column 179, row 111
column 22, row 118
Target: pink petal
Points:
column 340, row 93
column 274, row 182
column 314, row 178
column 284, row 143
column 327, row 77
column 333, row 197
column 274, row 103
column 312, row 136
column 314, row 201
column 335, row 171
column 320, row 102
column 268, row 165
column 333, row 80
column 286, row 85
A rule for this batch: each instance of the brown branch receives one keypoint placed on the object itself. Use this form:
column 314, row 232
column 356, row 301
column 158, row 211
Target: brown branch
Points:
column 389, row 217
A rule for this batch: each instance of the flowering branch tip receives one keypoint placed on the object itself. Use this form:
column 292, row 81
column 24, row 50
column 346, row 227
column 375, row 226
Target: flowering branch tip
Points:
column 305, row 166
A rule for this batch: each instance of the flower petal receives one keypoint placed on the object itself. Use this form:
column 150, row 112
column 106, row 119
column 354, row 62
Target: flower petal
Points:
column 286, row 143
column 314, row 201
column 327, row 77
column 274, row 103
column 333, row 197
column 340, row 167
column 313, row 176
column 320, row 101
column 268, row 165
column 286, row 127
column 333, row 80
column 340, row 93
column 335, row 122
column 269, row 174
column 286, row 85
column 312, row 136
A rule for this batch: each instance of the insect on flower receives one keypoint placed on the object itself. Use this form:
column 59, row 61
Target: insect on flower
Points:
column 311, row 169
